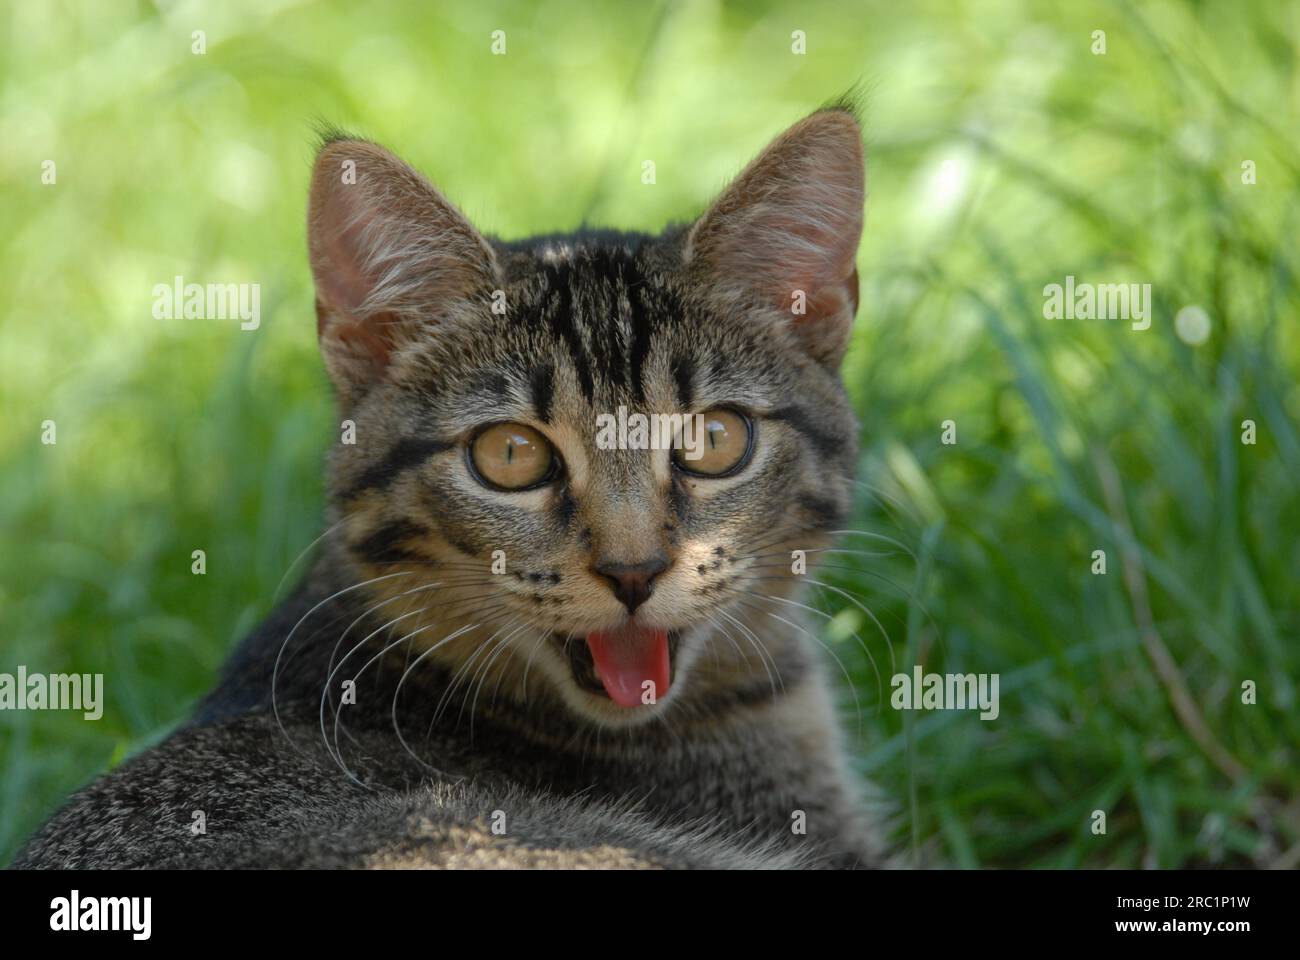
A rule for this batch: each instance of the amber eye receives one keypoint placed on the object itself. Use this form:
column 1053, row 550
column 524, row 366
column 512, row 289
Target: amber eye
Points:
column 510, row 456
column 722, row 447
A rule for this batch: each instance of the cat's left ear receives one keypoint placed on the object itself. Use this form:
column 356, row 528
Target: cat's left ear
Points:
column 784, row 235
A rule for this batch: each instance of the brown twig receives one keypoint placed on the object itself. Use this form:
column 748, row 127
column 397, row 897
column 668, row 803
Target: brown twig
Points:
column 1135, row 582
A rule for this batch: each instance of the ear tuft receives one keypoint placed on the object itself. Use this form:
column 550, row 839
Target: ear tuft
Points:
column 784, row 235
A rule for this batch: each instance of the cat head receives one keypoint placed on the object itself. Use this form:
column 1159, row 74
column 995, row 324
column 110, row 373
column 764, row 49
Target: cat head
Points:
column 517, row 491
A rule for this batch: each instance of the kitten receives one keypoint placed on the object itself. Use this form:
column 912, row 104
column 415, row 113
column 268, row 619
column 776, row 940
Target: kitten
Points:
column 519, row 647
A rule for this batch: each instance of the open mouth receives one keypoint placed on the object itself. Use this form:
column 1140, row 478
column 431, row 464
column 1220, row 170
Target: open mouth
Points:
column 631, row 665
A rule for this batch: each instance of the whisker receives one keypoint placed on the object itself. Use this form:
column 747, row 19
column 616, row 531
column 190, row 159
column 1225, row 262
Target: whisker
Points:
column 905, row 592
column 458, row 676
column 851, row 597
column 276, row 668
column 874, row 536
column 536, row 647
column 496, row 689
column 329, row 683
column 857, row 703
column 726, row 634
column 396, row 725
column 762, row 651
column 363, row 615
column 893, row 667
column 275, row 597
column 811, row 550
column 503, row 645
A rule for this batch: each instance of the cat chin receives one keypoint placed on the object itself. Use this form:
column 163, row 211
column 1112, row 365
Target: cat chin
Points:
column 606, row 713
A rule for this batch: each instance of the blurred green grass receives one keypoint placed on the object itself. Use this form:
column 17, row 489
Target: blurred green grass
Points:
column 1004, row 155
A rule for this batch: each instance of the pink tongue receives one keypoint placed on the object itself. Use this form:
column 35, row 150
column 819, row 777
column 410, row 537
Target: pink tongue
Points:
column 626, row 659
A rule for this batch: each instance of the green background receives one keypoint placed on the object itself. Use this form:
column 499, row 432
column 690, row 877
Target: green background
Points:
column 1004, row 155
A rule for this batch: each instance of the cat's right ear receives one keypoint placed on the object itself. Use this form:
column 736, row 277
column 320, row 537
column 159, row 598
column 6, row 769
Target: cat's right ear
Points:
column 391, row 258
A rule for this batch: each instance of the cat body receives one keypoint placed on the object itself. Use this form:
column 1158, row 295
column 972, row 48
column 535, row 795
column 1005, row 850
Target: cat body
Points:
column 519, row 647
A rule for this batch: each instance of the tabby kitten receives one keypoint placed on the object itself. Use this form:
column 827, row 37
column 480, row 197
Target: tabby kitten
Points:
column 519, row 647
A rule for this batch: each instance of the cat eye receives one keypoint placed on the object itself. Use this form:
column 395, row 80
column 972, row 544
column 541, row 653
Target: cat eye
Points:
column 511, row 456
column 725, row 446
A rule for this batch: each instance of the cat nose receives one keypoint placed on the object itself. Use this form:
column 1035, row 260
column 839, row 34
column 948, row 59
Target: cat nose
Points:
column 632, row 583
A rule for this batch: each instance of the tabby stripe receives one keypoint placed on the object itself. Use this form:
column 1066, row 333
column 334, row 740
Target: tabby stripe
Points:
column 381, row 546
column 640, row 340
column 542, row 384
column 607, row 339
column 566, row 508
column 826, row 514
column 826, row 444
column 562, row 323
column 684, row 374
column 407, row 453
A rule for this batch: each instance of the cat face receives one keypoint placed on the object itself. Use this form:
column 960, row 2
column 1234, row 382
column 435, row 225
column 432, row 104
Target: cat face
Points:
column 516, row 522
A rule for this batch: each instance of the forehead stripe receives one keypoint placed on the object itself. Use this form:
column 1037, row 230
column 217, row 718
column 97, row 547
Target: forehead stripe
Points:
column 541, row 385
column 640, row 339
column 684, row 375
column 560, row 308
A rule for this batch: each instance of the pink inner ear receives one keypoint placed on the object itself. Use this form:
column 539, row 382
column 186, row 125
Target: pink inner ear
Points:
column 339, row 252
column 361, row 345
